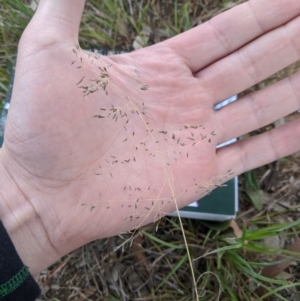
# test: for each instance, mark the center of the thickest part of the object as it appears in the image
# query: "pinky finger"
(259, 150)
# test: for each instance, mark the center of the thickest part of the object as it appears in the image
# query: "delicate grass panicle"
(157, 266)
(227, 257)
(165, 148)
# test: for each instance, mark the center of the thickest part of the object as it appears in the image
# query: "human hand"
(56, 156)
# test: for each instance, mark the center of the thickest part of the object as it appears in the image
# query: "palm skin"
(59, 157)
(58, 150)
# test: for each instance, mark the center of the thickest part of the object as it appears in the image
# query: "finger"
(259, 109)
(256, 151)
(253, 63)
(231, 30)
(60, 18)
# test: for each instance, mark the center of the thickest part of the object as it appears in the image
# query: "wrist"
(23, 224)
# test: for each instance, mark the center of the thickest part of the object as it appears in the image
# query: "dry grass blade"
(156, 267)
(274, 270)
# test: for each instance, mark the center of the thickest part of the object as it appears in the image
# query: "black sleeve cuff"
(16, 283)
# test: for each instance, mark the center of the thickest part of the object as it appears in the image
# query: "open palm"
(97, 146)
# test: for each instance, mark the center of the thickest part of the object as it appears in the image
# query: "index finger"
(59, 20)
(215, 39)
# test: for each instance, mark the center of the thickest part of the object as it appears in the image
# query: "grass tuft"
(236, 268)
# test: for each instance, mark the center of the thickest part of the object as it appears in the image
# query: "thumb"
(56, 21)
